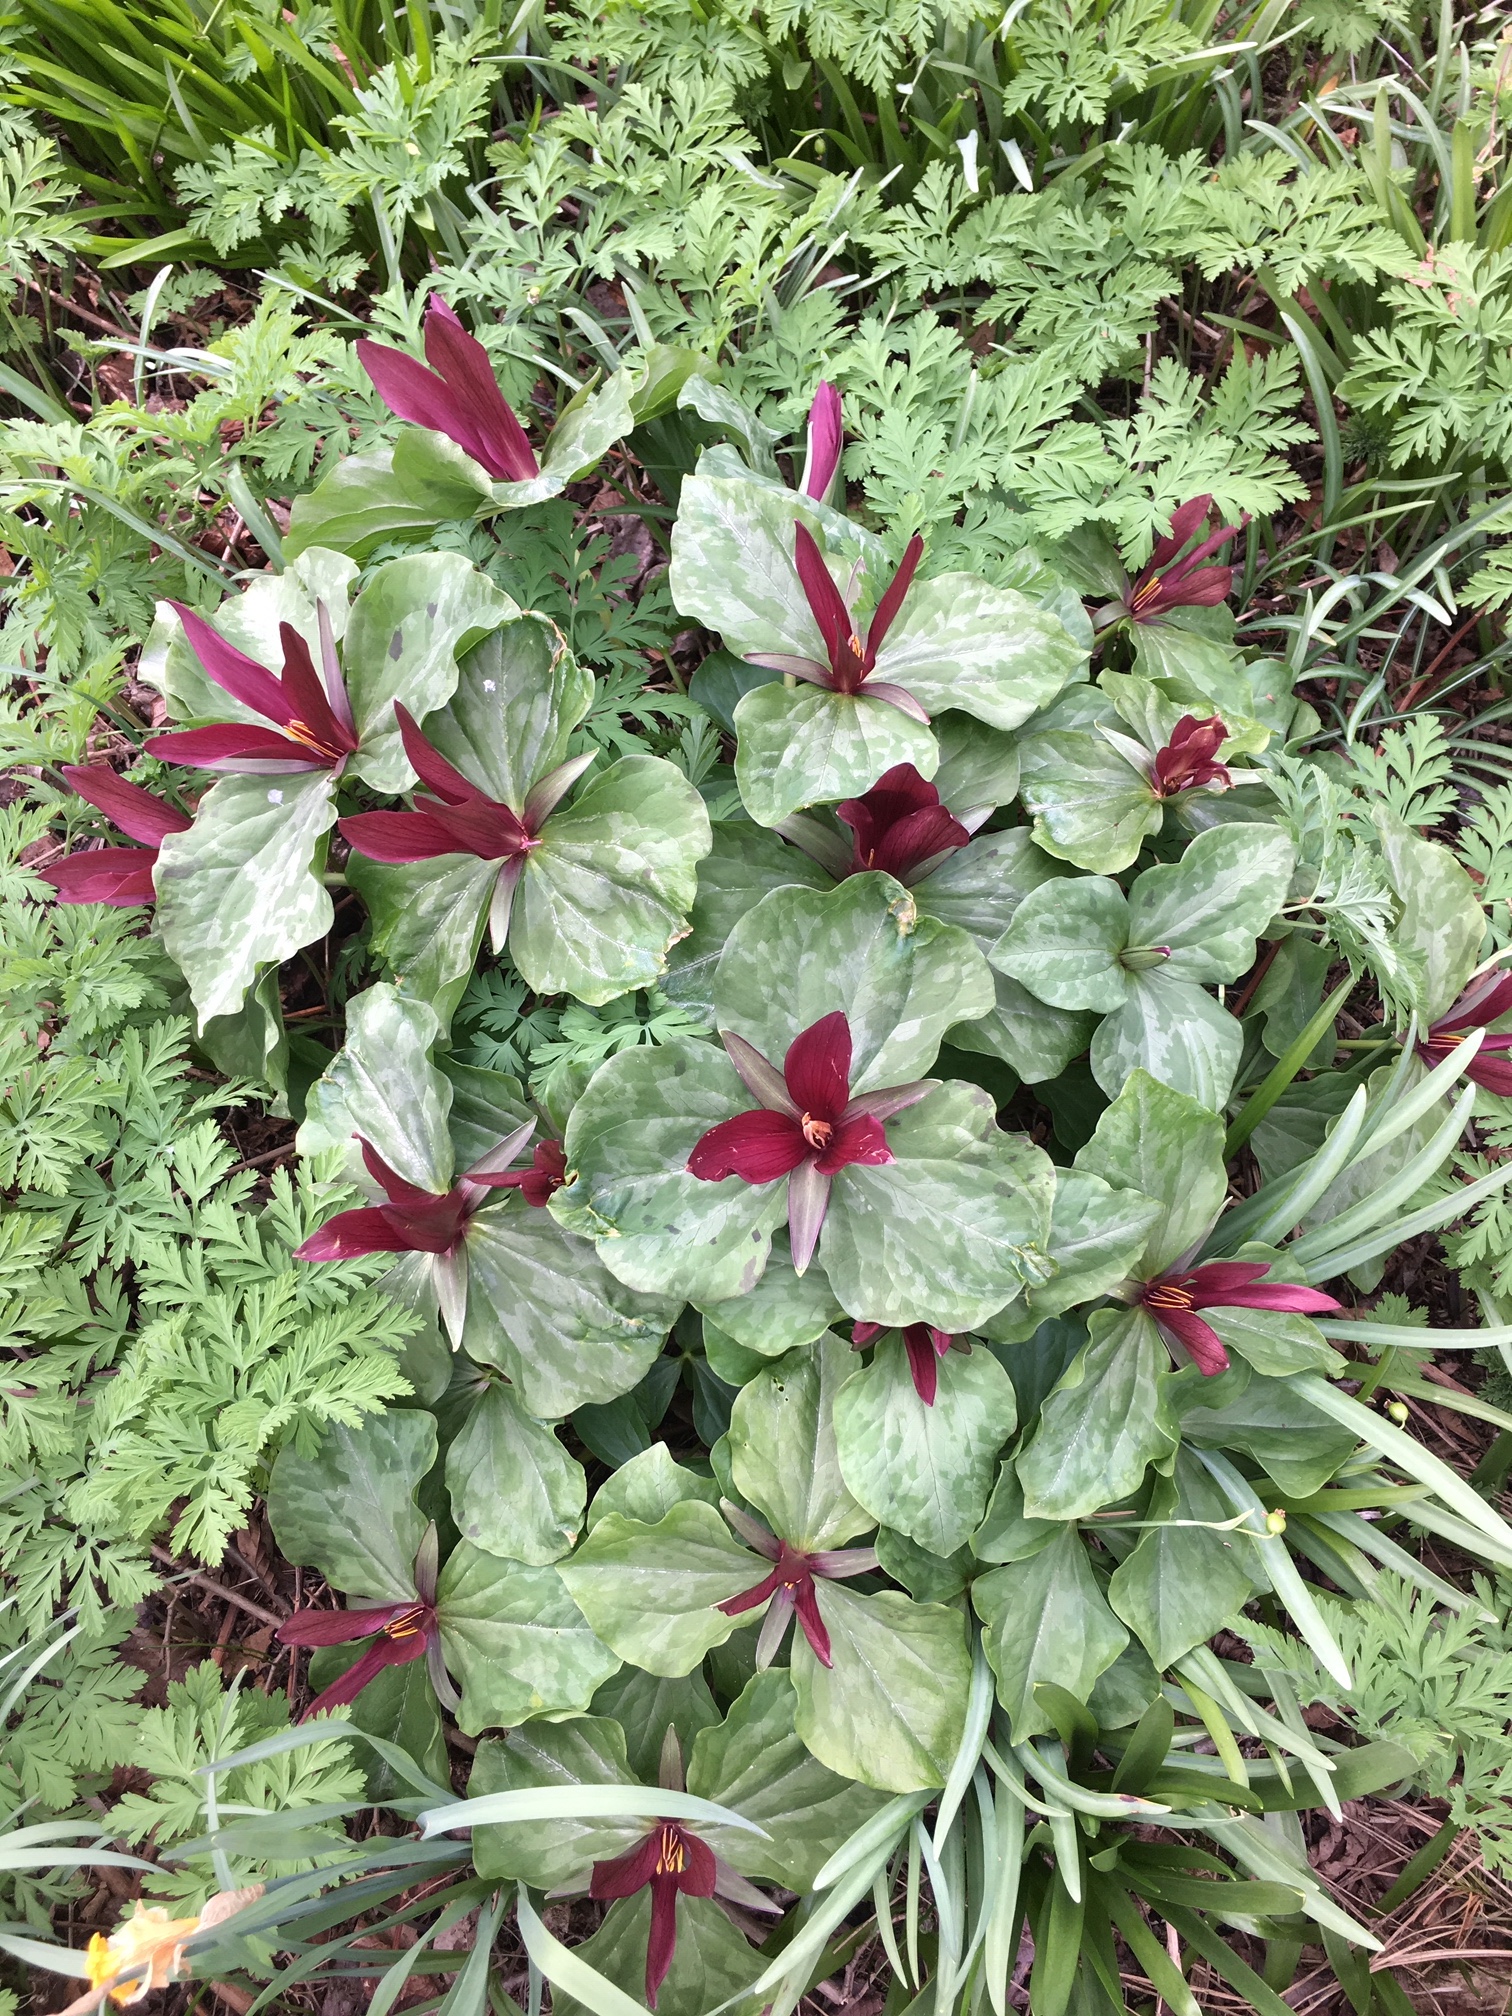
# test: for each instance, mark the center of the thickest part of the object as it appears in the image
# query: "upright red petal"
(817, 1070)
(233, 671)
(119, 876)
(429, 765)
(826, 604)
(469, 374)
(1479, 1006)
(758, 1146)
(886, 613)
(1187, 520)
(539, 1183)
(824, 442)
(304, 687)
(925, 1346)
(394, 1187)
(141, 815)
(415, 394)
(806, 1603)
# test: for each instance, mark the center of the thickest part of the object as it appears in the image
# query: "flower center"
(407, 1624)
(672, 1857)
(1167, 1295)
(816, 1132)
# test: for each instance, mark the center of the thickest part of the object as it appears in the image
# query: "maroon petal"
(1484, 1003)
(337, 1627)
(382, 1653)
(661, 1940)
(541, 1181)
(393, 1186)
(866, 1333)
(824, 442)
(623, 1875)
(1268, 1295)
(141, 815)
(1200, 1339)
(817, 1068)
(255, 750)
(925, 1346)
(1219, 1275)
(352, 1233)
(304, 687)
(398, 837)
(919, 837)
(892, 599)
(750, 1599)
(1203, 589)
(1187, 520)
(861, 1139)
(1494, 1073)
(700, 1871)
(234, 672)
(826, 603)
(483, 827)
(806, 1602)
(119, 876)
(469, 374)
(429, 765)
(413, 393)
(758, 1147)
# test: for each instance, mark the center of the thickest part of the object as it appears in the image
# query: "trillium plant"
(918, 1292)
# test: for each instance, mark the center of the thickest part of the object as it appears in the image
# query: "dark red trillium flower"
(312, 721)
(674, 1863)
(1169, 583)
(415, 1220)
(925, 1346)
(461, 819)
(1174, 1299)
(458, 396)
(1477, 1008)
(401, 1632)
(825, 439)
(851, 659)
(790, 1586)
(545, 1176)
(1187, 760)
(807, 1127)
(116, 875)
(900, 826)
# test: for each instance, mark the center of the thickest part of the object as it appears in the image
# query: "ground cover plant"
(757, 1070)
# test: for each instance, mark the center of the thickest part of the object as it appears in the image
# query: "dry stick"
(218, 1589)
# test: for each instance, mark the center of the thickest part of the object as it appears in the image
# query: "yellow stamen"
(816, 1132)
(1169, 1296)
(672, 1857)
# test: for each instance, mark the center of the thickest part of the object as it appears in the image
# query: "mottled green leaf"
(925, 1471)
(390, 493)
(661, 1230)
(550, 1854)
(783, 1456)
(1006, 1532)
(648, 1486)
(1170, 1148)
(1090, 805)
(609, 887)
(650, 1591)
(948, 1230)
(519, 696)
(349, 1510)
(427, 921)
(1211, 905)
(782, 1311)
(647, 1705)
(1108, 1419)
(514, 1489)
(890, 1711)
(1064, 944)
(756, 1763)
(544, 1309)
(744, 863)
(1097, 1233)
(961, 643)
(711, 1962)
(1045, 1619)
(1186, 1579)
(982, 884)
(384, 1086)
(1173, 1030)
(241, 888)
(900, 979)
(412, 622)
(515, 1641)
(1441, 918)
(804, 745)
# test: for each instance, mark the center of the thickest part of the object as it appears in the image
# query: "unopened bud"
(1396, 1410)
(1275, 1522)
